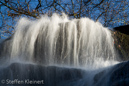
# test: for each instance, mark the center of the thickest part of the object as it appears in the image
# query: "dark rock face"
(5, 47)
(117, 75)
(121, 42)
(120, 75)
(51, 75)
(123, 29)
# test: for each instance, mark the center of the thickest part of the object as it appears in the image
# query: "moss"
(122, 44)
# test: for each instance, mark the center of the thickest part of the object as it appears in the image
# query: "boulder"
(121, 42)
(46, 75)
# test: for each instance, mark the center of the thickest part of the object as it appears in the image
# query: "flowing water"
(60, 41)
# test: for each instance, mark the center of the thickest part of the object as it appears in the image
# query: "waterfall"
(73, 52)
(58, 40)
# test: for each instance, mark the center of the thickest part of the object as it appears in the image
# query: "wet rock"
(51, 75)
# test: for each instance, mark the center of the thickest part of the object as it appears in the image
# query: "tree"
(109, 12)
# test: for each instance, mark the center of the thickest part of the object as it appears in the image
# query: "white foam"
(59, 40)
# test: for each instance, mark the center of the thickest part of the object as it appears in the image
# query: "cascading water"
(60, 41)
